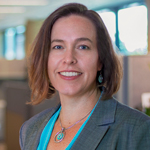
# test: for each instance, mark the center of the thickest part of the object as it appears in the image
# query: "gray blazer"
(112, 126)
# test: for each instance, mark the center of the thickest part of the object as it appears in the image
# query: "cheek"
(50, 65)
(94, 64)
(91, 66)
(53, 65)
(51, 61)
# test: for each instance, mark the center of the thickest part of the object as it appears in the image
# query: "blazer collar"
(105, 112)
(97, 126)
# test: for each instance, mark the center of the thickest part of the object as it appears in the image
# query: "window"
(109, 19)
(132, 23)
(127, 27)
(14, 41)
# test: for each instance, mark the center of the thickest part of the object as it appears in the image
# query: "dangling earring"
(100, 78)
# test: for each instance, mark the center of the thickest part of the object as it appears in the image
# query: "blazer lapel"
(97, 126)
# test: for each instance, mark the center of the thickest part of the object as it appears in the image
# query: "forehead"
(73, 24)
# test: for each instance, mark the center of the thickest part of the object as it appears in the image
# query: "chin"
(69, 92)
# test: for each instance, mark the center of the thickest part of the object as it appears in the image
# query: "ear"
(99, 67)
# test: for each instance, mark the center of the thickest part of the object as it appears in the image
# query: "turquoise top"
(46, 134)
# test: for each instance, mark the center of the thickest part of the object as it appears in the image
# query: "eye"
(83, 47)
(57, 47)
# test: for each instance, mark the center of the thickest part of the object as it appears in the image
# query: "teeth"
(69, 73)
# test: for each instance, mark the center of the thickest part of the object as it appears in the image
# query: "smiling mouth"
(70, 74)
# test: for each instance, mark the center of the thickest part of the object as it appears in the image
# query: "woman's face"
(73, 58)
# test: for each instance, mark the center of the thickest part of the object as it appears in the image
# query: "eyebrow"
(83, 39)
(77, 40)
(56, 40)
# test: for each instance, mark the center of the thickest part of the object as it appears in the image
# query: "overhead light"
(23, 2)
(7, 10)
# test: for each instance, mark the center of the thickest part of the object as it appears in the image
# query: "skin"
(73, 50)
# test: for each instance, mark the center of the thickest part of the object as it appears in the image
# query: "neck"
(75, 108)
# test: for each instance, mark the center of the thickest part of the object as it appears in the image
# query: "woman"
(73, 54)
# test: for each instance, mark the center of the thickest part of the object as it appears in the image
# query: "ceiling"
(24, 10)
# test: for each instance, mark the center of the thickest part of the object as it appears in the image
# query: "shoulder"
(124, 116)
(133, 126)
(129, 114)
(35, 124)
(132, 121)
(40, 117)
(112, 111)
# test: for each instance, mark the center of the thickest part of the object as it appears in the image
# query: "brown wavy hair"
(38, 61)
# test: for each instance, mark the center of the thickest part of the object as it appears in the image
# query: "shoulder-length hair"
(38, 61)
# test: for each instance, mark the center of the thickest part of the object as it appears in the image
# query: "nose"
(70, 58)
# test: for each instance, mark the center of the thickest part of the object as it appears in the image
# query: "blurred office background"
(128, 22)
